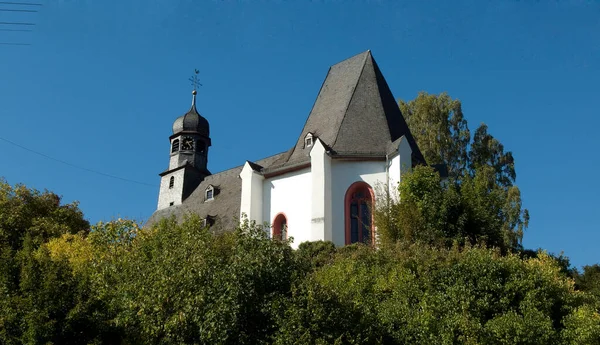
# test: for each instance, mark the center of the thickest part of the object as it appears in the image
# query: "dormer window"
(209, 193)
(175, 146)
(308, 140)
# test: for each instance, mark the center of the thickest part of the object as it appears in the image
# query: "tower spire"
(195, 84)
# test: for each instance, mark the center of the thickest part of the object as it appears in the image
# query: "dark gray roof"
(225, 206)
(192, 121)
(354, 113)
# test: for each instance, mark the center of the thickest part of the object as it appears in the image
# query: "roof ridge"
(364, 63)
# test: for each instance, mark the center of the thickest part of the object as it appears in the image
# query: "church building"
(323, 188)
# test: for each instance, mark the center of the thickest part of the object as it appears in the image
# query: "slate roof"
(192, 121)
(354, 113)
(225, 206)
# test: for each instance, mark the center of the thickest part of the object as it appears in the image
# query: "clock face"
(187, 143)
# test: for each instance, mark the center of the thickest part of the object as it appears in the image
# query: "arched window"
(171, 182)
(359, 202)
(280, 227)
(175, 146)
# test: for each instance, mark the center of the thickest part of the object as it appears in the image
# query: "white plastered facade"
(313, 198)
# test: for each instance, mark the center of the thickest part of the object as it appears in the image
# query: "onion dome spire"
(192, 121)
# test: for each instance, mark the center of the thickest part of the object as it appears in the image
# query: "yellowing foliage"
(76, 248)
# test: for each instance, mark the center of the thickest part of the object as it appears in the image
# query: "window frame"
(175, 146)
(308, 140)
(277, 232)
(368, 201)
(210, 189)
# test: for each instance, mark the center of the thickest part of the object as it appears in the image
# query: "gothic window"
(171, 182)
(359, 220)
(280, 227)
(175, 146)
(308, 140)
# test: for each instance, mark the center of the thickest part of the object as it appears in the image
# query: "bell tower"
(188, 156)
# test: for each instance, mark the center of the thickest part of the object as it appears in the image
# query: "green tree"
(589, 280)
(420, 294)
(488, 151)
(41, 299)
(180, 283)
(440, 129)
(477, 210)
(479, 201)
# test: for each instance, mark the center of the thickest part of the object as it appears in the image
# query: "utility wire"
(20, 3)
(16, 23)
(14, 44)
(17, 10)
(76, 166)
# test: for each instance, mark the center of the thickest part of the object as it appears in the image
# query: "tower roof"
(192, 121)
(355, 112)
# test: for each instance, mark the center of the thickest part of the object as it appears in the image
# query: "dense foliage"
(64, 283)
(477, 202)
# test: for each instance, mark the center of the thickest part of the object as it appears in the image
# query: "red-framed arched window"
(280, 226)
(359, 202)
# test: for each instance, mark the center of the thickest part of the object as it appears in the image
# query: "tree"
(589, 280)
(419, 294)
(477, 210)
(180, 283)
(37, 215)
(42, 300)
(479, 201)
(440, 129)
(488, 151)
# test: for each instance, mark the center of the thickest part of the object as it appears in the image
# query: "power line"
(17, 10)
(14, 44)
(16, 23)
(20, 3)
(75, 166)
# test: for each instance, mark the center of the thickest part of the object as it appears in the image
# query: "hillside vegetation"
(448, 268)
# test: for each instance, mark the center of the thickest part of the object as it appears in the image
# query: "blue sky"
(103, 81)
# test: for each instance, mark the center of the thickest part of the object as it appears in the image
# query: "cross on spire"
(195, 83)
(194, 80)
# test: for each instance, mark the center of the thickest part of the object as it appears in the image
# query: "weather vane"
(194, 80)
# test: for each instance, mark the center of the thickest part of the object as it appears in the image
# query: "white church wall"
(394, 173)
(345, 174)
(320, 214)
(168, 195)
(251, 203)
(399, 164)
(290, 194)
